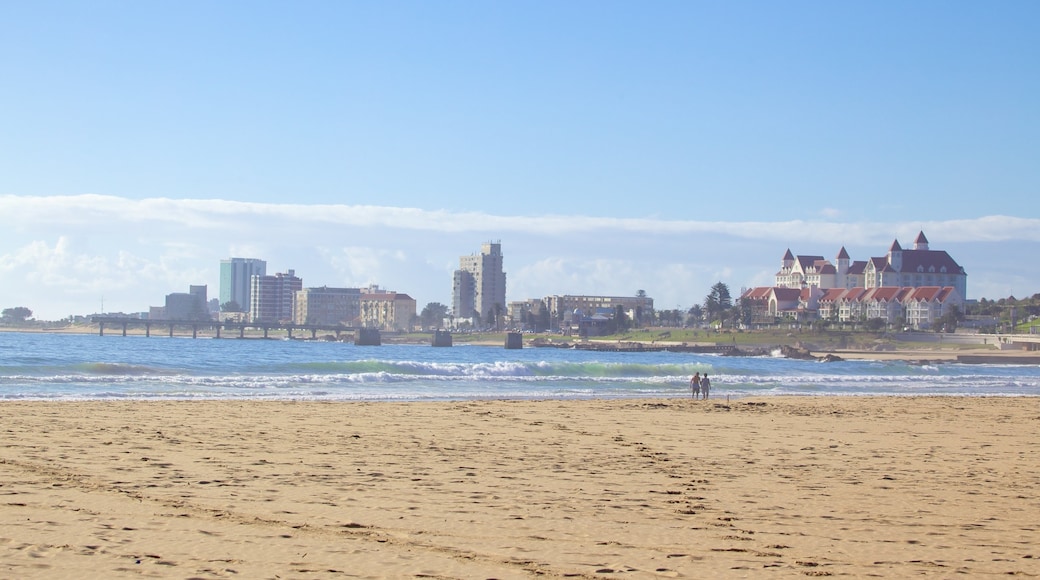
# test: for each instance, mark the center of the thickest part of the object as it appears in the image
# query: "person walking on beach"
(705, 385)
(695, 385)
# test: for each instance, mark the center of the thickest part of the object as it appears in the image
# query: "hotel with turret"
(912, 287)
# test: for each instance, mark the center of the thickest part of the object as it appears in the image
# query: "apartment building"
(388, 311)
(271, 298)
(479, 285)
(328, 306)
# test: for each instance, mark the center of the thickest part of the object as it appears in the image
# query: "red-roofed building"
(880, 287)
(919, 266)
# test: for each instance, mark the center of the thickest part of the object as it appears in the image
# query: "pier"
(216, 326)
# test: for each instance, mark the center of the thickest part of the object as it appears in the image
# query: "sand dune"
(779, 487)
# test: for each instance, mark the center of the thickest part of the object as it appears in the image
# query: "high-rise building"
(236, 275)
(271, 297)
(479, 285)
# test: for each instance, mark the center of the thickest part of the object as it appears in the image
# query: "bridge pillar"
(194, 330)
(242, 331)
(124, 329)
(171, 330)
(314, 333)
(265, 332)
(101, 329)
(289, 330)
(147, 329)
(218, 331)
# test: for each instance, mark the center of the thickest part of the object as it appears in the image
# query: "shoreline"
(923, 355)
(782, 487)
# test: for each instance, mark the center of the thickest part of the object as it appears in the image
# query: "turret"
(921, 242)
(895, 256)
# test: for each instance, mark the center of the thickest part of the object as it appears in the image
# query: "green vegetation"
(15, 315)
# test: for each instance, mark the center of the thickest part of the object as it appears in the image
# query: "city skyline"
(610, 146)
(398, 257)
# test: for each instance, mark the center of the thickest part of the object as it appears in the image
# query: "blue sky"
(609, 146)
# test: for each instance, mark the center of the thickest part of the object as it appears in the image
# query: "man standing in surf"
(695, 385)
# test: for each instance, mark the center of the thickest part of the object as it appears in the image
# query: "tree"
(948, 321)
(16, 314)
(743, 313)
(495, 315)
(620, 319)
(695, 315)
(433, 314)
(231, 306)
(717, 302)
(874, 324)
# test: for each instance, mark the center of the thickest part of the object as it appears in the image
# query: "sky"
(610, 147)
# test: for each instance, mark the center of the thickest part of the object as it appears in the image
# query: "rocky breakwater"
(796, 351)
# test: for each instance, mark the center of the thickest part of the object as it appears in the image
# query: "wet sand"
(779, 487)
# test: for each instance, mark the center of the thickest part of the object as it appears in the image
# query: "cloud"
(72, 250)
(99, 210)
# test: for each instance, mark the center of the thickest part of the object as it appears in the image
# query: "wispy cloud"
(66, 252)
(100, 210)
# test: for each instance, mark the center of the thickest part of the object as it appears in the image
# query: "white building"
(919, 266)
(479, 285)
(912, 287)
(328, 306)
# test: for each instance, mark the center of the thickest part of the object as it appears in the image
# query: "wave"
(119, 369)
(495, 368)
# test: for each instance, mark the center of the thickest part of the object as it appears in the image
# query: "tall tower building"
(272, 297)
(479, 285)
(236, 275)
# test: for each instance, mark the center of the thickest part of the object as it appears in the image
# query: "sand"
(770, 487)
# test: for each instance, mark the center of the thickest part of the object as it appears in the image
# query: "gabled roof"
(857, 267)
(832, 294)
(895, 246)
(932, 293)
(853, 294)
(884, 293)
(805, 262)
(925, 293)
(842, 254)
(788, 255)
(786, 294)
(825, 267)
(920, 239)
(758, 293)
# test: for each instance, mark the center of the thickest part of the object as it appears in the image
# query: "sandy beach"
(780, 487)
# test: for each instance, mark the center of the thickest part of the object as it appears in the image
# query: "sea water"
(39, 366)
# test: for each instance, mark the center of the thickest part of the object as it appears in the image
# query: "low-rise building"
(328, 306)
(389, 311)
(562, 309)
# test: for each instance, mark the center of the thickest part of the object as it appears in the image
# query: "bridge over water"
(216, 326)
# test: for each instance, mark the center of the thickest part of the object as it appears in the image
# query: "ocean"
(55, 367)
